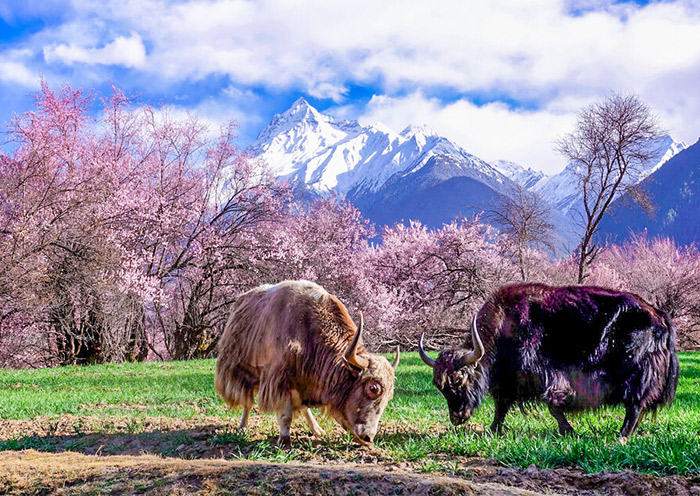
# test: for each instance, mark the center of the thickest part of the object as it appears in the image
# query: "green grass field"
(415, 428)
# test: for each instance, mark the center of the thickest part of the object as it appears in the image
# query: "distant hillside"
(675, 191)
(391, 177)
(418, 175)
(562, 190)
(435, 194)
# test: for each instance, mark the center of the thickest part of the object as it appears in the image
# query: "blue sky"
(502, 78)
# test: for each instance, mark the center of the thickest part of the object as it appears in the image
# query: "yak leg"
(247, 406)
(630, 423)
(564, 425)
(244, 418)
(502, 407)
(313, 425)
(284, 419)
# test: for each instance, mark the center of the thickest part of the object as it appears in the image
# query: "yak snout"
(461, 416)
(364, 433)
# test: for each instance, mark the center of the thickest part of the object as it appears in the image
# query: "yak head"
(369, 393)
(456, 373)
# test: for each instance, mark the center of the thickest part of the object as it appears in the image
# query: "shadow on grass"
(202, 442)
(206, 441)
(658, 452)
(217, 441)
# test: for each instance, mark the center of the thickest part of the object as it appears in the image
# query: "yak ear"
(351, 357)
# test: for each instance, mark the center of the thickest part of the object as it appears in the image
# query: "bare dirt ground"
(84, 455)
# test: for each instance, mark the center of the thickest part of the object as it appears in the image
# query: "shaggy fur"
(575, 348)
(287, 344)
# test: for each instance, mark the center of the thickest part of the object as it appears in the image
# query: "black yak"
(575, 348)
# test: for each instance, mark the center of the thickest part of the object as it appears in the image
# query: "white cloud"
(328, 90)
(240, 95)
(490, 132)
(13, 70)
(556, 55)
(535, 50)
(522, 48)
(128, 52)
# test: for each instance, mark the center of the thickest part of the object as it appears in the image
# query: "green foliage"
(415, 425)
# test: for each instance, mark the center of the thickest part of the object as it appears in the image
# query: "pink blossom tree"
(666, 275)
(423, 280)
(115, 227)
(191, 208)
(51, 185)
(323, 241)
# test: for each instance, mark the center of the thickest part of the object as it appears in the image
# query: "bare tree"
(525, 217)
(612, 143)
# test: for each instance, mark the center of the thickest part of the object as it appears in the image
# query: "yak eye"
(373, 389)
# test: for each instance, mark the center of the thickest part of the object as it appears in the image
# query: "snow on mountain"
(305, 145)
(415, 174)
(674, 191)
(330, 154)
(413, 129)
(524, 177)
(562, 190)
(667, 149)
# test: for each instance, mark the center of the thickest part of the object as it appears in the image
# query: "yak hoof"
(496, 429)
(624, 440)
(566, 431)
(284, 442)
(320, 433)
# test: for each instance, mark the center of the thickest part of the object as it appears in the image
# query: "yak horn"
(428, 361)
(473, 357)
(396, 360)
(350, 355)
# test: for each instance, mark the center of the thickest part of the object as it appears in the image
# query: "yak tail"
(669, 392)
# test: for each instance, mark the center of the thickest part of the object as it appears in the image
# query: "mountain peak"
(525, 177)
(300, 110)
(301, 101)
(412, 129)
(301, 104)
(328, 153)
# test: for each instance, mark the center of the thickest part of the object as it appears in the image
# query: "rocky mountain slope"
(417, 174)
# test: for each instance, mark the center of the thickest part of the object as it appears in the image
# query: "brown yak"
(295, 345)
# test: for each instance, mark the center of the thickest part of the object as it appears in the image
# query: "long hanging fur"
(291, 336)
(576, 348)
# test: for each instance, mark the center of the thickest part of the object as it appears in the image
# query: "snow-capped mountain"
(526, 178)
(562, 189)
(667, 148)
(380, 170)
(305, 145)
(415, 174)
(330, 154)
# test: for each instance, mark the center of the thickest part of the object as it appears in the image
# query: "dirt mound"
(567, 481)
(71, 473)
(33, 472)
(78, 455)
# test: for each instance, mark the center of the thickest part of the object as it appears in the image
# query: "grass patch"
(125, 398)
